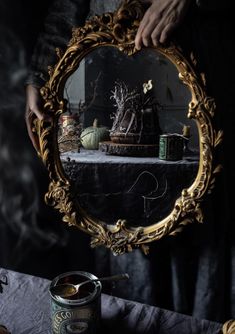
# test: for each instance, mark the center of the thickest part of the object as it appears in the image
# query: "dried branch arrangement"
(135, 120)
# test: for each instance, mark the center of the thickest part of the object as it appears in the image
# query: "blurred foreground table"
(25, 309)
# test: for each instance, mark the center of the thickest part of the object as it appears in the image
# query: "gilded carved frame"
(118, 29)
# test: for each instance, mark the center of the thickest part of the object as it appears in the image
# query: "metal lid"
(80, 301)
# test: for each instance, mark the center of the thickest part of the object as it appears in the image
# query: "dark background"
(32, 238)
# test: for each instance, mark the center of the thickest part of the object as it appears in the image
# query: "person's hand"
(3, 330)
(33, 108)
(159, 21)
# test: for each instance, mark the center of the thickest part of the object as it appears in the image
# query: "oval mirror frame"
(118, 29)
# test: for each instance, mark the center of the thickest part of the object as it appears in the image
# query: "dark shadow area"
(32, 237)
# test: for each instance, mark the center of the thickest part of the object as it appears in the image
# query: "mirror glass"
(125, 141)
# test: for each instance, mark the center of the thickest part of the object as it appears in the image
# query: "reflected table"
(25, 309)
(139, 190)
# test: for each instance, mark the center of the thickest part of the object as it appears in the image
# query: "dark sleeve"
(63, 15)
(215, 5)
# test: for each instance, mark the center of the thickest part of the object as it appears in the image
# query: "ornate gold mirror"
(130, 147)
(115, 170)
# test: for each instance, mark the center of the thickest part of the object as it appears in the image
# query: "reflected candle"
(186, 131)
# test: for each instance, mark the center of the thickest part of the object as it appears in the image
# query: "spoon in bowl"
(66, 290)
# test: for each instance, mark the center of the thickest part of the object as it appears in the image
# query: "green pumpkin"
(91, 136)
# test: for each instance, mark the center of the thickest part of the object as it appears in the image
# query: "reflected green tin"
(171, 147)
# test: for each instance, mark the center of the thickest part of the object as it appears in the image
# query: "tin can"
(69, 123)
(80, 313)
(171, 147)
(69, 133)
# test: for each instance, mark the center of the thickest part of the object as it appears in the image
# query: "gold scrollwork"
(118, 29)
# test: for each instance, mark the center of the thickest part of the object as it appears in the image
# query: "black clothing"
(63, 15)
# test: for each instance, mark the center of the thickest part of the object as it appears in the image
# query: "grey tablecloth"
(25, 309)
(140, 190)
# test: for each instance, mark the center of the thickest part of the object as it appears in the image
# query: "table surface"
(141, 191)
(25, 309)
(96, 156)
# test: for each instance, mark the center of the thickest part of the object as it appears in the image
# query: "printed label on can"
(162, 147)
(71, 321)
(75, 320)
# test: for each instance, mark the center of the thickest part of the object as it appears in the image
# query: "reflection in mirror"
(125, 141)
